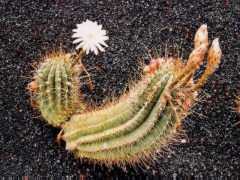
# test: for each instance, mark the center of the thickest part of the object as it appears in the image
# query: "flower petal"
(77, 40)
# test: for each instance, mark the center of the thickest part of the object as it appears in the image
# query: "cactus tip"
(201, 36)
(216, 47)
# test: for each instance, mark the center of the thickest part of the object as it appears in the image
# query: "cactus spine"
(134, 128)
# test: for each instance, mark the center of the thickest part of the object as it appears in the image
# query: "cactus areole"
(135, 127)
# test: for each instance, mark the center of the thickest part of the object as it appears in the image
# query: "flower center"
(91, 36)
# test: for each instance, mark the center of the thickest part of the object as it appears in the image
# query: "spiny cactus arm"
(57, 92)
(123, 128)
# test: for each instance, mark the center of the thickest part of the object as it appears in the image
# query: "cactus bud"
(201, 36)
(214, 57)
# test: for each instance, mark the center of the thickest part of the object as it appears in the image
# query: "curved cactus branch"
(132, 129)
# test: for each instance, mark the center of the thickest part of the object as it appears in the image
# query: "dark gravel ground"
(29, 29)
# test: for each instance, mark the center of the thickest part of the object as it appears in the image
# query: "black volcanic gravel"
(29, 29)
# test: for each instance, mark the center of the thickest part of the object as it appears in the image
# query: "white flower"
(90, 37)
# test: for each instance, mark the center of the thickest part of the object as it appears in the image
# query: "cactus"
(141, 122)
(56, 83)
(56, 88)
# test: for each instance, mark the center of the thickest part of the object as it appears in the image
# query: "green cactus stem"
(56, 92)
(147, 118)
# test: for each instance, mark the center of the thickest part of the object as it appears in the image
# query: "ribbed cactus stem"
(57, 94)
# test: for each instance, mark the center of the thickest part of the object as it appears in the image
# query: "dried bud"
(197, 57)
(214, 57)
(201, 36)
(215, 53)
